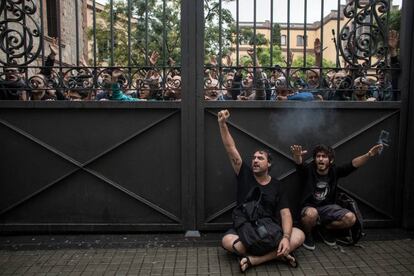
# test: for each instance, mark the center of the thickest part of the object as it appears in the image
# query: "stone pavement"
(156, 255)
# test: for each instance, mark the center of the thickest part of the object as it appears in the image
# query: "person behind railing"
(173, 88)
(247, 92)
(362, 91)
(314, 83)
(149, 90)
(393, 41)
(254, 84)
(212, 91)
(172, 91)
(387, 82)
(49, 76)
(284, 92)
(341, 84)
(317, 86)
(116, 94)
(228, 83)
(232, 80)
(13, 86)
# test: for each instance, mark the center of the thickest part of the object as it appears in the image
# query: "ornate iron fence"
(128, 44)
(363, 65)
(139, 42)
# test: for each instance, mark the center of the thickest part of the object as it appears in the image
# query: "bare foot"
(290, 260)
(245, 263)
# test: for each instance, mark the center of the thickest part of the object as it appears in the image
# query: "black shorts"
(230, 231)
(328, 213)
(234, 232)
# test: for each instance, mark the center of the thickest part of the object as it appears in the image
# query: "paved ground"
(157, 255)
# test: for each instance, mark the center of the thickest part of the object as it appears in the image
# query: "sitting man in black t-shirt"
(275, 202)
(319, 181)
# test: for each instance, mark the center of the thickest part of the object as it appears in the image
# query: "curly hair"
(325, 149)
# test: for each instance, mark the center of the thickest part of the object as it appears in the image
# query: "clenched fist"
(223, 115)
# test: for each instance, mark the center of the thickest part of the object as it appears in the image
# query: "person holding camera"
(319, 181)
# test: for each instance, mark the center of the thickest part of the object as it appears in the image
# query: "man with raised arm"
(257, 175)
(319, 181)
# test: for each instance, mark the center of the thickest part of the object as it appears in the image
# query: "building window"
(300, 40)
(52, 18)
(283, 40)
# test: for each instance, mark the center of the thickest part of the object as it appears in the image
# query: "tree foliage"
(213, 29)
(276, 34)
(394, 22)
(247, 36)
(155, 26)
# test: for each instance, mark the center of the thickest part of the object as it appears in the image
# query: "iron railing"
(364, 68)
(135, 44)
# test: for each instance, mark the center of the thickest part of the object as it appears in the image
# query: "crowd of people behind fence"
(222, 80)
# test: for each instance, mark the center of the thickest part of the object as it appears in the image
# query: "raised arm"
(228, 141)
(297, 153)
(317, 50)
(362, 159)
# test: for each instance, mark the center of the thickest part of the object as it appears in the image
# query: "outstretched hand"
(250, 52)
(317, 49)
(213, 60)
(375, 150)
(154, 58)
(393, 38)
(297, 153)
(115, 75)
(226, 61)
(54, 46)
(223, 115)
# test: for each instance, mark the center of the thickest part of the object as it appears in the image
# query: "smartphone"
(384, 138)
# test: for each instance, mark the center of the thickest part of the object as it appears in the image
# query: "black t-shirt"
(274, 198)
(321, 190)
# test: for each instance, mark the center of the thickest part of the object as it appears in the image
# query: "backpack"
(256, 228)
(352, 235)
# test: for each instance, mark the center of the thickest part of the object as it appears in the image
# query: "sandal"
(248, 262)
(291, 260)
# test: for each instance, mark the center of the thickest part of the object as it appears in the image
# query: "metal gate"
(350, 130)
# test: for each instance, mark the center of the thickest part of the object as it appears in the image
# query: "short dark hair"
(325, 149)
(268, 155)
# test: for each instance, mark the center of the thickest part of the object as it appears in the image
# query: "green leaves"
(155, 26)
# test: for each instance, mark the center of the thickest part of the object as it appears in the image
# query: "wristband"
(287, 236)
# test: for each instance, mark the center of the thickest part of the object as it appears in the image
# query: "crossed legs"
(296, 240)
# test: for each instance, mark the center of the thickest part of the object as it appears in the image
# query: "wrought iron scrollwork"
(20, 35)
(363, 38)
